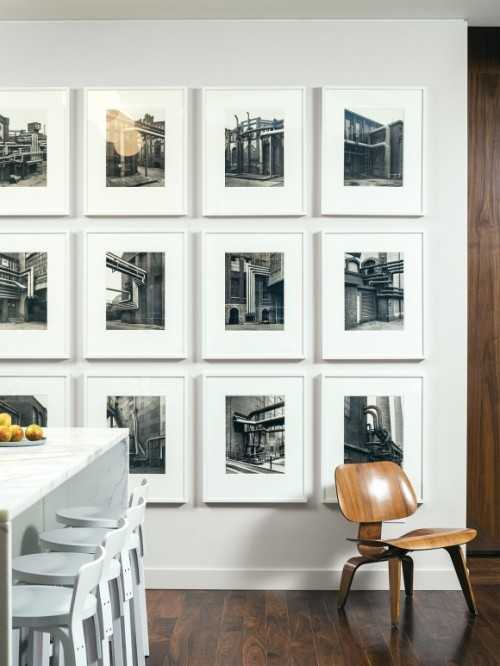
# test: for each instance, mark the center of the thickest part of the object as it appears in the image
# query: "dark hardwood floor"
(277, 628)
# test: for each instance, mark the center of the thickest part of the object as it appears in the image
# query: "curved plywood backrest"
(374, 492)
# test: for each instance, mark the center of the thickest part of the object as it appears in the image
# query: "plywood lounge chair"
(370, 493)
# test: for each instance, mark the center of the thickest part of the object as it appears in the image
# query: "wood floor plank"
(303, 649)
(183, 636)
(278, 629)
(233, 612)
(229, 649)
(326, 641)
(254, 647)
(370, 630)
(396, 639)
(350, 641)
(204, 648)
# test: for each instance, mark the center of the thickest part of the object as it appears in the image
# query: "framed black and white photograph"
(380, 419)
(34, 295)
(136, 151)
(252, 287)
(42, 400)
(154, 409)
(253, 151)
(34, 151)
(253, 428)
(372, 154)
(372, 295)
(135, 295)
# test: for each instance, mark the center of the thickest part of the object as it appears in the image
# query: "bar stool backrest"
(114, 543)
(139, 492)
(86, 582)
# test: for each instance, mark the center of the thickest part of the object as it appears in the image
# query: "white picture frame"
(136, 151)
(45, 396)
(372, 304)
(343, 399)
(154, 326)
(255, 311)
(157, 405)
(372, 138)
(272, 180)
(38, 151)
(34, 321)
(277, 475)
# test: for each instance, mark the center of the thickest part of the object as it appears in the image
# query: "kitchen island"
(75, 466)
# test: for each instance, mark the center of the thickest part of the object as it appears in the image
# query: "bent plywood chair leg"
(350, 568)
(395, 587)
(457, 557)
(407, 563)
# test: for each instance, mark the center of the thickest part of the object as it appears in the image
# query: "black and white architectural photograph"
(373, 429)
(135, 290)
(254, 147)
(23, 291)
(374, 291)
(255, 284)
(25, 410)
(23, 147)
(144, 416)
(373, 147)
(255, 434)
(135, 148)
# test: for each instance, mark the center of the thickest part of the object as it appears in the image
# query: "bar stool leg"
(38, 648)
(141, 593)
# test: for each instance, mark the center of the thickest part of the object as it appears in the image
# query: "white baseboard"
(289, 579)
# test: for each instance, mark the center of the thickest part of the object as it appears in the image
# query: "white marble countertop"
(27, 474)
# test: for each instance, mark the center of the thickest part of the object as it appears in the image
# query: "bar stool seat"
(73, 540)
(100, 516)
(78, 539)
(56, 568)
(90, 516)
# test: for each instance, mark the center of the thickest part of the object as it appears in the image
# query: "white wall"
(292, 546)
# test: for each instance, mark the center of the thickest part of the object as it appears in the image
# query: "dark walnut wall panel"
(483, 457)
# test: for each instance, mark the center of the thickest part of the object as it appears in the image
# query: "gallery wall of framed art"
(257, 263)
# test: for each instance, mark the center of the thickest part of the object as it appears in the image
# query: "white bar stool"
(85, 540)
(61, 568)
(107, 517)
(62, 612)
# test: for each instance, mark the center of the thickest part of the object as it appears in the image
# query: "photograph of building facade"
(373, 147)
(373, 429)
(23, 148)
(135, 290)
(23, 290)
(255, 287)
(254, 149)
(374, 291)
(144, 416)
(135, 148)
(25, 409)
(255, 434)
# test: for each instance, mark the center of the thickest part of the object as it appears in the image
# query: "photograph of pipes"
(154, 409)
(34, 151)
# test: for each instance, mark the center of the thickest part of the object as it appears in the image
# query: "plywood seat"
(425, 539)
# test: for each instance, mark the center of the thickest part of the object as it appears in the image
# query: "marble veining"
(27, 474)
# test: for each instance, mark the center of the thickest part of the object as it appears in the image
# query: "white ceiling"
(477, 12)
